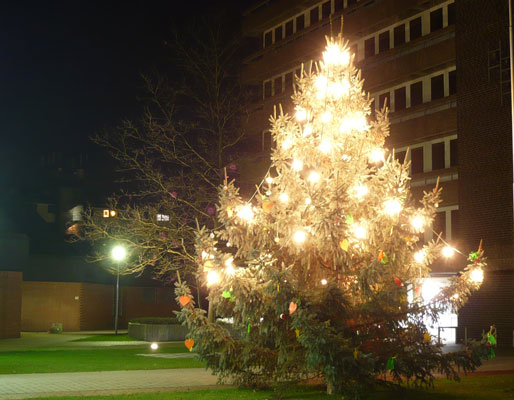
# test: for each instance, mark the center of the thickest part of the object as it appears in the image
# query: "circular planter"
(157, 332)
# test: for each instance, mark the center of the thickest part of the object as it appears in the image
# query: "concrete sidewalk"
(106, 382)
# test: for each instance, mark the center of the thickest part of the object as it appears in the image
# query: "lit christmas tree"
(318, 274)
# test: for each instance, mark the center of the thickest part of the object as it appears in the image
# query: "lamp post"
(118, 254)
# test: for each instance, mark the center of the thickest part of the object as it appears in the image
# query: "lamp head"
(118, 253)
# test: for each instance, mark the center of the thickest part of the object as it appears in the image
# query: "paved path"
(24, 386)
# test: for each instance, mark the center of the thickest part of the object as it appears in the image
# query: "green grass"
(92, 359)
(106, 338)
(471, 388)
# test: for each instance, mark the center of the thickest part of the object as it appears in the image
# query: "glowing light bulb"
(154, 346)
(477, 275)
(287, 144)
(297, 165)
(335, 55)
(314, 177)
(323, 282)
(420, 255)
(212, 278)
(284, 197)
(308, 201)
(359, 231)
(246, 213)
(299, 237)
(326, 117)
(269, 180)
(307, 130)
(325, 146)
(339, 89)
(204, 254)
(301, 114)
(392, 207)
(448, 251)
(321, 85)
(376, 156)
(417, 222)
(229, 262)
(361, 191)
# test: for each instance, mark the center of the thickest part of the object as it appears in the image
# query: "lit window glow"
(163, 217)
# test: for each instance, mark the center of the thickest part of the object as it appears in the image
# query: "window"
(400, 156)
(351, 2)
(289, 28)
(267, 89)
(384, 100)
(400, 99)
(451, 14)
(437, 86)
(452, 78)
(288, 84)
(436, 20)
(278, 85)
(454, 155)
(416, 158)
(455, 224)
(439, 224)
(383, 42)
(369, 47)
(416, 94)
(399, 35)
(278, 33)
(163, 217)
(415, 28)
(438, 156)
(325, 10)
(338, 5)
(268, 39)
(314, 15)
(300, 22)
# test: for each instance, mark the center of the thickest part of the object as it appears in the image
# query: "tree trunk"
(330, 388)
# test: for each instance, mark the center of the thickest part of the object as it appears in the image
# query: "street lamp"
(118, 254)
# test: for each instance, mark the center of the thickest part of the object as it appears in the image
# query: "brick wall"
(96, 307)
(10, 304)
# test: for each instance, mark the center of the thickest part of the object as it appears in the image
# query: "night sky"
(70, 69)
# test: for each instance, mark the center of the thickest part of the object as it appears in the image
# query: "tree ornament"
(344, 244)
(382, 257)
(349, 219)
(184, 300)
(189, 344)
(267, 206)
(355, 353)
(227, 295)
(390, 363)
(297, 332)
(427, 338)
(174, 194)
(208, 265)
(292, 307)
(398, 282)
(283, 316)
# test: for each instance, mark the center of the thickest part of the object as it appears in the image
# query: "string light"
(477, 275)
(335, 55)
(326, 117)
(314, 177)
(376, 155)
(308, 201)
(287, 144)
(360, 191)
(359, 232)
(323, 282)
(420, 255)
(301, 114)
(212, 278)
(269, 180)
(325, 146)
(246, 213)
(229, 266)
(417, 222)
(284, 197)
(392, 207)
(448, 251)
(307, 130)
(299, 237)
(297, 165)
(339, 89)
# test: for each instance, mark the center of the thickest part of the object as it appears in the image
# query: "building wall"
(147, 302)
(10, 304)
(44, 303)
(96, 307)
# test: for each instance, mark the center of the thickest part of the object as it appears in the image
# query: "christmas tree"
(316, 276)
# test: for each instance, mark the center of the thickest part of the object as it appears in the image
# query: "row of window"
(410, 94)
(408, 30)
(430, 156)
(303, 20)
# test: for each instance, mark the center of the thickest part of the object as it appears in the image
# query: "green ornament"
(390, 364)
(248, 328)
(492, 354)
(491, 339)
(384, 259)
(349, 219)
(226, 294)
(473, 256)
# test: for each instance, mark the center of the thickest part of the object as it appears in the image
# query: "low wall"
(157, 333)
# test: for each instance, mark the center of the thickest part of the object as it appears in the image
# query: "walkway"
(24, 386)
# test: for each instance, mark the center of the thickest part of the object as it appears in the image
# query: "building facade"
(444, 84)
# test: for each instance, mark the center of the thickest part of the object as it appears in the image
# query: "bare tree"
(172, 160)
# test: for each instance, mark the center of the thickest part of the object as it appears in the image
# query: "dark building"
(442, 68)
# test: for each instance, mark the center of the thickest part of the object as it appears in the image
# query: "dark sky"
(69, 69)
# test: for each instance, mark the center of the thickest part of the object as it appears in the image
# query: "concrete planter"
(157, 333)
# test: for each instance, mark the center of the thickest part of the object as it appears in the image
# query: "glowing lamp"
(246, 213)
(323, 282)
(392, 207)
(212, 278)
(297, 165)
(118, 253)
(299, 237)
(154, 346)
(477, 275)
(448, 251)
(420, 255)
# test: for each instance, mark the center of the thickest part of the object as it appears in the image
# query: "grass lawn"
(92, 359)
(471, 388)
(106, 338)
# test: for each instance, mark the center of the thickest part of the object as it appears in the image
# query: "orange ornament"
(292, 307)
(267, 205)
(189, 343)
(184, 300)
(380, 256)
